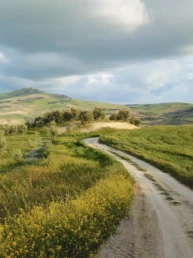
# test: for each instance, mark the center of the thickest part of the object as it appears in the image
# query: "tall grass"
(72, 229)
(167, 147)
(13, 143)
(65, 205)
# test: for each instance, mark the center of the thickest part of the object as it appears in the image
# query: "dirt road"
(161, 217)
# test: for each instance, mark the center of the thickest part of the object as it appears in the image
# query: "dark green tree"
(98, 113)
(75, 113)
(86, 116)
(113, 116)
(124, 115)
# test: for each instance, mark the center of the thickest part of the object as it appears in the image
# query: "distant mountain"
(164, 113)
(21, 105)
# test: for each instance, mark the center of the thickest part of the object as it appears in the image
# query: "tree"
(67, 116)
(86, 116)
(98, 113)
(114, 116)
(58, 116)
(13, 129)
(132, 120)
(123, 115)
(22, 128)
(135, 121)
(75, 113)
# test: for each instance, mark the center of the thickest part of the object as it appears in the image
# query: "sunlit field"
(64, 203)
(170, 148)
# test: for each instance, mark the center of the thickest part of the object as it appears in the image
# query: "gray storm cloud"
(42, 41)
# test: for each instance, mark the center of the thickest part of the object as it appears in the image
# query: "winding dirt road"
(161, 217)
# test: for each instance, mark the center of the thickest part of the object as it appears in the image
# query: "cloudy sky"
(123, 51)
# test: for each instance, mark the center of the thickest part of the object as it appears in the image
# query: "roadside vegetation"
(169, 148)
(66, 203)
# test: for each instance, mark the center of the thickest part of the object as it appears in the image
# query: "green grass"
(14, 142)
(162, 108)
(66, 204)
(170, 148)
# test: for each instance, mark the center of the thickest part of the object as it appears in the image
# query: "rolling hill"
(164, 113)
(21, 105)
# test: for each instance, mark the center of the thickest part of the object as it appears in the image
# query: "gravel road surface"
(161, 217)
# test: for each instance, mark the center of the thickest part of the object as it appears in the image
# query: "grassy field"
(164, 113)
(161, 108)
(63, 205)
(169, 148)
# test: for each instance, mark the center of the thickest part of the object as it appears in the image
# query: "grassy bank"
(64, 205)
(169, 148)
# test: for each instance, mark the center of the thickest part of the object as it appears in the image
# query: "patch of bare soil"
(117, 125)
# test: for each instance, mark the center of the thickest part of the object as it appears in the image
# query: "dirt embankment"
(117, 125)
(98, 125)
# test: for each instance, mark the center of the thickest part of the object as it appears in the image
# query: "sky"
(119, 51)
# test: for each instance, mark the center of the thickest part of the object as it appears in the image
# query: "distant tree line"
(73, 114)
(60, 116)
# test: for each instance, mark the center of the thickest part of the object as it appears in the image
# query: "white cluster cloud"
(3, 58)
(99, 79)
(160, 73)
(128, 15)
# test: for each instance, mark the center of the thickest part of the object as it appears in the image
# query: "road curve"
(161, 217)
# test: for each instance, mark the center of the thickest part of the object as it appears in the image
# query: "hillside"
(20, 105)
(164, 113)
